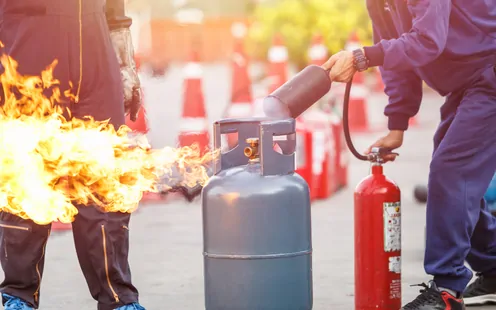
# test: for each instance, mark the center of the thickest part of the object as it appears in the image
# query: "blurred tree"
(298, 20)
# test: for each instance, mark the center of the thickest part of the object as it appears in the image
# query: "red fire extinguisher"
(377, 231)
(377, 240)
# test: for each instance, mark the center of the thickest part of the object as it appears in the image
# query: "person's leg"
(461, 170)
(102, 246)
(22, 255)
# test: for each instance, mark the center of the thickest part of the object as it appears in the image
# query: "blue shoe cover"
(14, 303)
(133, 306)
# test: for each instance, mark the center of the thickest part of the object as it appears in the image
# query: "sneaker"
(14, 303)
(431, 298)
(133, 306)
(481, 291)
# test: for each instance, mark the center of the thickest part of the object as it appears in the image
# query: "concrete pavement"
(166, 239)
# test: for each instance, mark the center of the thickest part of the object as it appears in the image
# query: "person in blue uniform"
(451, 45)
(92, 43)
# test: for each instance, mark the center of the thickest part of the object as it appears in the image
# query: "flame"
(50, 163)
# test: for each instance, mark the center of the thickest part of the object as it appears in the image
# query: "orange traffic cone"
(139, 127)
(379, 85)
(318, 53)
(278, 63)
(358, 116)
(58, 226)
(241, 105)
(194, 127)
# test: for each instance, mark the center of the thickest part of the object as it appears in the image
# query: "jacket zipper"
(37, 292)
(116, 297)
(15, 227)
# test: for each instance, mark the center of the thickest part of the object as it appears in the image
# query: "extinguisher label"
(392, 226)
(395, 264)
(395, 289)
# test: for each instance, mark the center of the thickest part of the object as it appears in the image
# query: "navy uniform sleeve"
(404, 90)
(423, 44)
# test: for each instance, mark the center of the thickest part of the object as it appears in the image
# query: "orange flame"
(50, 163)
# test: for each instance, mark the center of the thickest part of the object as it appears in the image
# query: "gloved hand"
(123, 46)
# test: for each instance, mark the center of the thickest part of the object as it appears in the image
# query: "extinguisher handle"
(378, 153)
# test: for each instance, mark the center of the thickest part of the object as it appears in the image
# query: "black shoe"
(431, 298)
(481, 291)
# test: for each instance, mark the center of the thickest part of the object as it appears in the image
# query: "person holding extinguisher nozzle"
(451, 45)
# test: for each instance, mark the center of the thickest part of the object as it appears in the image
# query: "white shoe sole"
(480, 300)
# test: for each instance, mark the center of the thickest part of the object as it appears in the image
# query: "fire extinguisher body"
(377, 243)
(257, 225)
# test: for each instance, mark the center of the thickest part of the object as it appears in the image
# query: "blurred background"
(166, 31)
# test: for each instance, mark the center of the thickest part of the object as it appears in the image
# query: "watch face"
(360, 60)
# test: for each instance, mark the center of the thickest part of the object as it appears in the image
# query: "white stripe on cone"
(193, 70)
(318, 52)
(359, 91)
(278, 54)
(193, 124)
(139, 139)
(353, 46)
(240, 110)
(239, 60)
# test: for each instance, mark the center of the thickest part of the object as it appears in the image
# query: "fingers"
(378, 143)
(389, 157)
(330, 62)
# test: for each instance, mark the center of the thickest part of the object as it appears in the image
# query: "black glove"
(123, 46)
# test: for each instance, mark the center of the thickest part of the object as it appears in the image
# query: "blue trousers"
(459, 226)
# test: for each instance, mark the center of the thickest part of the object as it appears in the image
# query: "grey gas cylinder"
(257, 222)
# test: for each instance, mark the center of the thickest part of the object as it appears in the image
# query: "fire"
(50, 163)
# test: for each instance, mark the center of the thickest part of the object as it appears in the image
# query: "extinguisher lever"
(377, 154)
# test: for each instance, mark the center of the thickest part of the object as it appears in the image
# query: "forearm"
(404, 90)
(116, 14)
(405, 96)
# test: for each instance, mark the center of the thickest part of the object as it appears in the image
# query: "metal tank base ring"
(267, 256)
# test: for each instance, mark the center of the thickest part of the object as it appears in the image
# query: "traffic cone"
(358, 116)
(193, 127)
(58, 226)
(241, 105)
(278, 63)
(318, 53)
(139, 127)
(379, 85)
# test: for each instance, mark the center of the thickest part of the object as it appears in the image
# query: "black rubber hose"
(346, 125)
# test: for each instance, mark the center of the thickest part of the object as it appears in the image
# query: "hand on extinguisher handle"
(380, 154)
(381, 151)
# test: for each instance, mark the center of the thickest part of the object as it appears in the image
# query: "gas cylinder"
(257, 222)
(377, 239)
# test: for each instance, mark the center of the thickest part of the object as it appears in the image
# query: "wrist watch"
(360, 61)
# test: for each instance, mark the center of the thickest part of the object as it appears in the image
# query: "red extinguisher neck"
(377, 169)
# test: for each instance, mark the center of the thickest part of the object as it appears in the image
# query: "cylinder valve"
(251, 151)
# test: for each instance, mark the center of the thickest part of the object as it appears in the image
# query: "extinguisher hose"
(346, 125)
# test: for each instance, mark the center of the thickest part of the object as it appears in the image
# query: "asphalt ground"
(166, 238)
